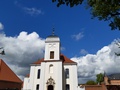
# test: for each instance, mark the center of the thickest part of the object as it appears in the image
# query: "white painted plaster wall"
(26, 84)
(54, 48)
(56, 75)
(72, 80)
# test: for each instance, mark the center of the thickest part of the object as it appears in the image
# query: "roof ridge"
(64, 59)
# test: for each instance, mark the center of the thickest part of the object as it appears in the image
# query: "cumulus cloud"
(92, 64)
(25, 49)
(22, 50)
(78, 36)
(1, 26)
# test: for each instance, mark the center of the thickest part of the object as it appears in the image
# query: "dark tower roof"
(53, 34)
(52, 37)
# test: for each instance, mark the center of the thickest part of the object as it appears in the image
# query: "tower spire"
(53, 32)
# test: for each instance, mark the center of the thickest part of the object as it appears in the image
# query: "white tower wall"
(56, 74)
(52, 46)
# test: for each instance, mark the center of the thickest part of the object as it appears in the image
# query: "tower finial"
(53, 32)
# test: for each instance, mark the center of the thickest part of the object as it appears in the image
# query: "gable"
(6, 74)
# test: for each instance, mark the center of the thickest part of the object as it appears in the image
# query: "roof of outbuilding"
(6, 74)
(115, 76)
(64, 59)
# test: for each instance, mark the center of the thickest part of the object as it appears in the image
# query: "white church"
(54, 72)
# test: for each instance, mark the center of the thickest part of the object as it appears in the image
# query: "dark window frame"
(37, 87)
(67, 87)
(67, 73)
(51, 54)
(38, 74)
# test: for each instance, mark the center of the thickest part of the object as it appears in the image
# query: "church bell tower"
(52, 47)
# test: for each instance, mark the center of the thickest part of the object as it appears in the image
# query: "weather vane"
(53, 32)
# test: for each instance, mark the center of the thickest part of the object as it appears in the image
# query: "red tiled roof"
(62, 57)
(6, 74)
(28, 75)
(39, 61)
(66, 60)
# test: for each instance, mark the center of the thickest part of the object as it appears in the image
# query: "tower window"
(38, 74)
(67, 73)
(37, 87)
(51, 54)
(67, 87)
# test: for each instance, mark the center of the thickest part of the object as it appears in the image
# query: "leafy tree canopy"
(90, 82)
(100, 78)
(107, 10)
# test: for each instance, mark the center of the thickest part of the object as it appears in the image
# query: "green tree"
(107, 10)
(100, 78)
(90, 82)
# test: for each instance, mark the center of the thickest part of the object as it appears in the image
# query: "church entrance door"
(50, 87)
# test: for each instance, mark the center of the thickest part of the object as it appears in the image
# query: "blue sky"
(66, 21)
(80, 35)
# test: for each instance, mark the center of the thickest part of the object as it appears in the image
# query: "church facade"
(54, 72)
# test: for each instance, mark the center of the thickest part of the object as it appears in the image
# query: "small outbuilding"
(8, 79)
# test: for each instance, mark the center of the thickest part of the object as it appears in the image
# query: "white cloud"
(78, 36)
(92, 64)
(33, 11)
(62, 48)
(83, 52)
(1, 26)
(21, 51)
(25, 49)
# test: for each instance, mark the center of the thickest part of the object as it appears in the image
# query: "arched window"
(51, 68)
(67, 73)
(38, 74)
